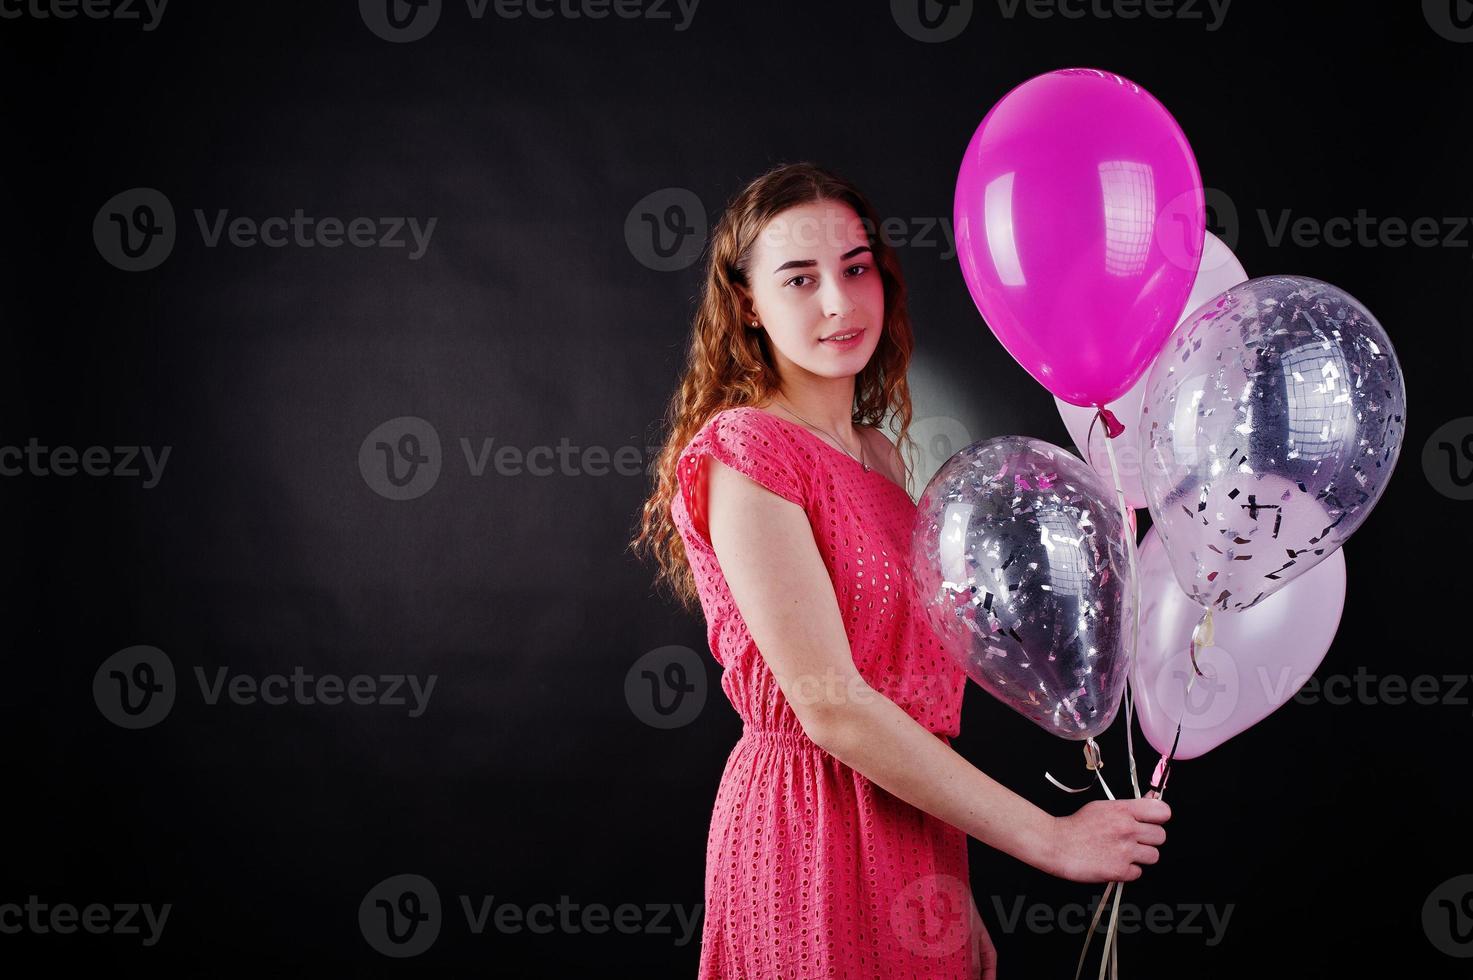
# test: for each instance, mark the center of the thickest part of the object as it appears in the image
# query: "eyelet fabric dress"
(812, 870)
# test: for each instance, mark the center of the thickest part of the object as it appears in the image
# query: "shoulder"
(745, 424)
(754, 444)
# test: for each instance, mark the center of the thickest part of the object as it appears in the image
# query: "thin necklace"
(840, 443)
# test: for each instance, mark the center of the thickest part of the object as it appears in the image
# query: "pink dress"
(811, 869)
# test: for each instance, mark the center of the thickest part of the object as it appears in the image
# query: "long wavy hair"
(729, 366)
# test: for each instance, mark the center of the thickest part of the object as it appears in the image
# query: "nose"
(836, 301)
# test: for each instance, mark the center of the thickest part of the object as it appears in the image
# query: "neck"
(825, 402)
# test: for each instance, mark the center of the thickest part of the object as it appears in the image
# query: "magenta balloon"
(1079, 220)
(1259, 658)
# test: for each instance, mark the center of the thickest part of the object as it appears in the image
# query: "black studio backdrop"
(267, 694)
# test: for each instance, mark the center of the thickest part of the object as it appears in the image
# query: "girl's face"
(812, 276)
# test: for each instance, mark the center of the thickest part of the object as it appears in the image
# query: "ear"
(749, 312)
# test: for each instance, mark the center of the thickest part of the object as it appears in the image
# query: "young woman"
(837, 845)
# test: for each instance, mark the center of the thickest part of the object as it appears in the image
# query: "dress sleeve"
(749, 441)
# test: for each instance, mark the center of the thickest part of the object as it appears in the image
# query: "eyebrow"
(809, 263)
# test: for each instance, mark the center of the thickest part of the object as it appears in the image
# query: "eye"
(862, 268)
(795, 279)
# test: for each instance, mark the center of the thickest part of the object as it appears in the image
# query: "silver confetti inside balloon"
(1272, 420)
(1018, 556)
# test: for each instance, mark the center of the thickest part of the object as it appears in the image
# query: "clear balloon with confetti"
(1272, 421)
(1019, 558)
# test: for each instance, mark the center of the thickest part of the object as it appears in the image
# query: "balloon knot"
(1113, 426)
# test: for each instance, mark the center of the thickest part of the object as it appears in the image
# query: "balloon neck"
(1113, 426)
(1202, 635)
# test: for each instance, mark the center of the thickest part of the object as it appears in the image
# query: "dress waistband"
(797, 740)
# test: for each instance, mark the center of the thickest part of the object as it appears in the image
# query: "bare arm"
(772, 565)
(777, 578)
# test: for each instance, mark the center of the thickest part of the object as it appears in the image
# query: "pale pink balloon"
(1220, 270)
(1260, 657)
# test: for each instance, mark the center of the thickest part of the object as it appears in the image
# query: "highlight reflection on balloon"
(1018, 556)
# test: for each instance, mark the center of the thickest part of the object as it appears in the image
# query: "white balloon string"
(1089, 933)
(1110, 958)
(1202, 636)
(1135, 586)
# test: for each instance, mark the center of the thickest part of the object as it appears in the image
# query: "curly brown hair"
(728, 366)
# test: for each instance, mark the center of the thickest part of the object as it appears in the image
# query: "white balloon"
(1219, 271)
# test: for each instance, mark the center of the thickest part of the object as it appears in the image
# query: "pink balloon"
(1079, 219)
(1260, 657)
(1219, 271)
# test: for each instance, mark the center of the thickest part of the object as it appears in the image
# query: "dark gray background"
(531, 319)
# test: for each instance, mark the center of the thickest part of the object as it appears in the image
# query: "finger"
(1150, 811)
(1149, 833)
(1142, 854)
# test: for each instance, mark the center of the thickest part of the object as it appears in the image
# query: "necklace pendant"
(866, 466)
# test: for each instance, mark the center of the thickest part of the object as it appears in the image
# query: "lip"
(852, 342)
